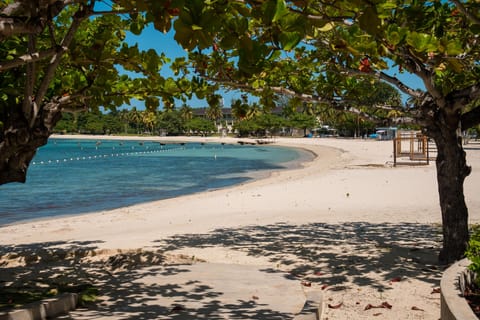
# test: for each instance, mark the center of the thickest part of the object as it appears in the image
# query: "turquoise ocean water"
(78, 176)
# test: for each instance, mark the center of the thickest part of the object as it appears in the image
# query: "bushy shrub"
(473, 253)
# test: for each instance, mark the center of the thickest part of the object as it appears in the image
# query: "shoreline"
(347, 221)
(318, 164)
(307, 155)
(340, 165)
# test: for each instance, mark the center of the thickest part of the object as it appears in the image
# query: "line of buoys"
(112, 155)
(102, 156)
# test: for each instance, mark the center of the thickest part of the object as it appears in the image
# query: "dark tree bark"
(452, 170)
(26, 127)
(19, 141)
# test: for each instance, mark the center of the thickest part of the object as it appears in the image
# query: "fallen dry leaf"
(377, 314)
(385, 305)
(324, 286)
(436, 290)
(335, 306)
(396, 279)
(417, 308)
(306, 283)
(254, 297)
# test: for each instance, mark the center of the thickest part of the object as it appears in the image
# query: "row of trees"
(66, 54)
(248, 119)
(175, 122)
(135, 122)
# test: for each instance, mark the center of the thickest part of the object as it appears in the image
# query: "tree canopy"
(58, 54)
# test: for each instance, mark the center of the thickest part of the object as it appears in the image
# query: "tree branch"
(30, 79)
(341, 105)
(467, 94)
(114, 12)
(28, 58)
(81, 15)
(29, 17)
(460, 98)
(414, 65)
(470, 118)
(390, 79)
(9, 27)
(463, 10)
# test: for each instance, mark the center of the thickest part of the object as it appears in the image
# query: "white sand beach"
(348, 222)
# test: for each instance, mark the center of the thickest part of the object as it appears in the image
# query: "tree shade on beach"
(54, 56)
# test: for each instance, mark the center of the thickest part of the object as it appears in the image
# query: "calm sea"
(77, 176)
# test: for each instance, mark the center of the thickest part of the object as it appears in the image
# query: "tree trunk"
(452, 170)
(19, 141)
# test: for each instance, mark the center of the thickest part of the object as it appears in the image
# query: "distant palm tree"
(308, 108)
(214, 110)
(124, 116)
(254, 111)
(186, 112)
(290, 106)
(149, 119)
(135, 117)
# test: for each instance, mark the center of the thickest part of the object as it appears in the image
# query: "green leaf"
(163, 24)
(370, 22)
(327, 27)
(422, 42)
(388, 6)
(455, 65)
(268, 10)
(229, 41)
(280, 10)
(136, 28)
(454, 48)
(170, 86)
(289, 40)
(183, 34)
(152, 103)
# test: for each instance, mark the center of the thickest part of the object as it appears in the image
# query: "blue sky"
(153, 39)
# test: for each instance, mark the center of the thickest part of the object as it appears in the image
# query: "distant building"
(386, 133)
(225, 125)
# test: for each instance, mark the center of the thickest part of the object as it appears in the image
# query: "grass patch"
(11, 298)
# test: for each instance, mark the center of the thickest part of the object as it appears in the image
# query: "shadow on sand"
(331, 254)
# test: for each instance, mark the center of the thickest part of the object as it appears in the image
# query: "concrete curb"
(453, 305)
(45, 309)
(313, 308)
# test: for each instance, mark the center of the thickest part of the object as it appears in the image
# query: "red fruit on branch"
(365, 65)
(173, 11)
